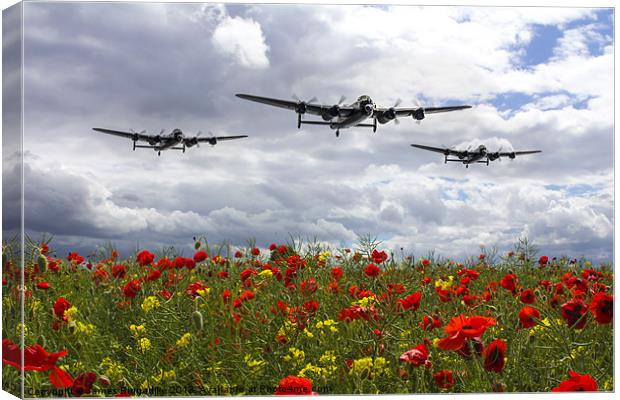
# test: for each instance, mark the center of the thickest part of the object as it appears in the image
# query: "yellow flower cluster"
(163, 376)
(71, 312)
(252, 363)
(137, 330)
(204, 292)
(113, 370)
(365, 302)
(314, 371)
(329, 357)
(144, 345)
(297, 356)
(265, 274)
(35, 306)
(370, 368)
(84, 329)
(327, 324)
(287, 329)
(150, 303)
(445, 285)
(324, 255)
(184, 340)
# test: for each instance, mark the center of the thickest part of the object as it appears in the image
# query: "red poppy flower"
(528, 296)
(194, 287)
(574, 313)
(247, 273)
(429, 323)
(372, 270)
(411, 302)
(273, 246)
(119, 271)
(43, 285)
(83, 383)
(528, 316)
(602, 306)
(166, 294)
(461, 328)
(476, 344)
(576, 383)
(36, 359)
(379, 256)
(444, 295)
(153, 275)
(223, 274)
(543, 260)
(426, 263)
(60, 306)
(309, 286)
(444, 379)
(200, 256)
(226, 295)
(494, 356)
(337, 273)
(417, 356)
(293, 385)
(132, 288)
(145, 258)
(509, 282)
(255, 251)
(247, 295)
(282, 249)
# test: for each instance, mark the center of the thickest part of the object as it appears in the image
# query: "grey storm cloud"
(154, 66)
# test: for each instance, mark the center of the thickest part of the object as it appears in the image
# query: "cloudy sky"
(538, 78)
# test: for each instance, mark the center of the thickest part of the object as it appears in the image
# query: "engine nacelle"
(418, 114)
(155, 140)
(330, 113)
(386, 116)
(512, 155)
(190, 142)
(178, 136)
(493, 156)
(301, 108)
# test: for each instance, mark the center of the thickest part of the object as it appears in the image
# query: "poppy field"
(304, 319)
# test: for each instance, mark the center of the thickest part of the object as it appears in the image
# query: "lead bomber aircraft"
(176, 140)
(340, 116)
(472, 156)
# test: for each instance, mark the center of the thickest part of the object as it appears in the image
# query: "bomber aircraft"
(175, 140)
(339, 116)
(472, 156)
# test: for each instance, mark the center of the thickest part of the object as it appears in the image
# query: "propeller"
(392, 109)
(212, 139)
(301, 105)
(342, 99)
(418, 114)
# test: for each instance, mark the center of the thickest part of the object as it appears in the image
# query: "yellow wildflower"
(144, 344)
(266, 273)
(85, 329)
(184, 340)
(297, 356)
(252, 363)
(328, 357)
(365, 302)
(369, 367)
(150, 303)
(324, 255)
(308, 333)
(71, 312)
(137, 330)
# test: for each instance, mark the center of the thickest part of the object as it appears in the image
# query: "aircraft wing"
(310, 108)
(441, 150)
(128, 135)
(219, 138)
(519, 153)
(407, 111)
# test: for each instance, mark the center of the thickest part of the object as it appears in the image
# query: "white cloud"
(243, 40)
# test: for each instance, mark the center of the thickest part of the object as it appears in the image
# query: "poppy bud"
(198, 320)
(104, 380)
(197, 244)
(42, 261)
